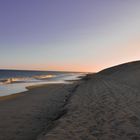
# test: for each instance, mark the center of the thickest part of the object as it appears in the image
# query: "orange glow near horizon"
(122, 52)
(73, 68)
(69, 68)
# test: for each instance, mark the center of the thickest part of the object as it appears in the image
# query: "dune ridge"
(105, 106)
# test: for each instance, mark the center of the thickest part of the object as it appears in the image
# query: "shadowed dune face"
(105, 106)
(129, 67)
(128, 73)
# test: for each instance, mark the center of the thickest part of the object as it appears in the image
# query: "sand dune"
(106, 106)
(128, 73)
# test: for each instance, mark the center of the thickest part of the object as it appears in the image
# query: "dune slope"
(105, 106)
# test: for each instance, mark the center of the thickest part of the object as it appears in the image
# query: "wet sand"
(24, 116)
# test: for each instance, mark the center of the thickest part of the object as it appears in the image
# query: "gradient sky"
(72, 35)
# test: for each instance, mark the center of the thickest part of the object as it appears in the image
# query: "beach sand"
(105, 106)
(101, 106)
(24, 116)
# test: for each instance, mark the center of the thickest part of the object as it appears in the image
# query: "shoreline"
(12, 96)
(31, 87)
(19, 87)
(34, 111)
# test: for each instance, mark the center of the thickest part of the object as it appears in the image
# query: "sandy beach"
(24, 116)
(101, 106)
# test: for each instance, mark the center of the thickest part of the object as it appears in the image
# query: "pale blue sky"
(77, 35)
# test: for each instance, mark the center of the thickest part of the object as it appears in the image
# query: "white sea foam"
(25, 79)
(18, 84)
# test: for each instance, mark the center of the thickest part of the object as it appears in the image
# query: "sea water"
(16, 81)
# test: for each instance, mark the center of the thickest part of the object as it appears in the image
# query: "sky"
(68, 35)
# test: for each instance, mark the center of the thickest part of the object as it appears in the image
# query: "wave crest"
(25, 79)
(41, 77)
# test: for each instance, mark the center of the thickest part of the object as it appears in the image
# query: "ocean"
(15, 81)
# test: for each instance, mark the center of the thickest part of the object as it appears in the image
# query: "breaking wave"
(26, 79)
